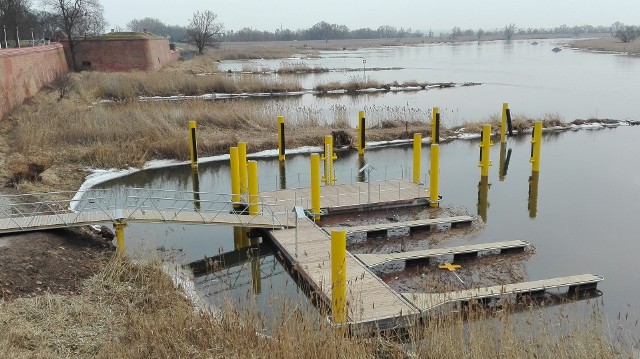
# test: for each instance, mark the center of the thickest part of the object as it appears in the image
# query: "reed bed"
(128, 134)
(130, 86)
(133, 310)
(299, 67)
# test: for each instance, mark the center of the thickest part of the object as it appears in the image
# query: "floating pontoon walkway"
(420, 224)
(351, 197)
(372, 260)
(371, 301)
(430, 301)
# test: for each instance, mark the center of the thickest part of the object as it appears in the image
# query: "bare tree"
(624, 32)
(203, 28)
(13, 14)
(509, 31)
(76, 18)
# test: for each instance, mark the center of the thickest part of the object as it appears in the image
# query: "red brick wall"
(25, 71)
(110, 55)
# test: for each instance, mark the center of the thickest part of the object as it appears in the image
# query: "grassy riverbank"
(608, 44)
(134, 311)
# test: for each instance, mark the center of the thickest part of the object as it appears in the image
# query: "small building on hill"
(120, 51)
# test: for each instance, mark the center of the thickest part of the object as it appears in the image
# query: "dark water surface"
(584, 219)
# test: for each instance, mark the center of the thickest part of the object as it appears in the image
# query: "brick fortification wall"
(25, 71)
(123, 52)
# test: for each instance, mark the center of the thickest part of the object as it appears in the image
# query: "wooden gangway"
(382, 228)
(430, 301)
(372, 260)
(33, 212)
(71, 219)
(370, 300)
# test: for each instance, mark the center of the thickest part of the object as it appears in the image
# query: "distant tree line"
(321, 31)
(510, 30)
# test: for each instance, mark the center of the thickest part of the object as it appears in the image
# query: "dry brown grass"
(299, 67)
(520, 123)
(129, 134)
(608, 44)
(129, 86)
(353, 85)
(133, 311)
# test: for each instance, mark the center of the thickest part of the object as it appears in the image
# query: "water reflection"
(361, 174)
(241, 238)
(483, 197)
(283, 175)
(505, 157)
(195, 181)
(533, 194)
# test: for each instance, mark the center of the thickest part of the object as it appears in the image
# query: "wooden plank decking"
(429, 301)
(349, 196)
(370, 299)
(372, 260)
(378, 227)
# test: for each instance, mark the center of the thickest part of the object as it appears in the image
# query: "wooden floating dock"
(351, 197)
(381, 229)
(372, 260)
(372, 304)
(430, 301)
(371, 301)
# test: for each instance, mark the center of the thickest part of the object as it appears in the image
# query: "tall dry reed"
(133, 310)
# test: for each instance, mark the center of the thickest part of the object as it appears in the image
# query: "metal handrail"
(127, 201)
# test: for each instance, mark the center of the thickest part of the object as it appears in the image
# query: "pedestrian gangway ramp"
(372, 260)
(430, 301)
(51, 210)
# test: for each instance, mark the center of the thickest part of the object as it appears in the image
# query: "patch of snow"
(371, 89)
(467, 136)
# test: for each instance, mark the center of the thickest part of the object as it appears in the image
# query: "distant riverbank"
(608, 44)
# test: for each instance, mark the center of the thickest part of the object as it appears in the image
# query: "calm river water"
(584, 219)
(531, 78)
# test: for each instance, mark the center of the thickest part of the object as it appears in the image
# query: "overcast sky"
(416, 14)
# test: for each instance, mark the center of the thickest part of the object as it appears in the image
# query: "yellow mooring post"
(234, 164)
(361, 132)
(339, 276)
(242, 166)
(329, 177)
(485, 148)
(119, 225)
(536, 141)
(434, 174)
(435, 125)
(417, 149)
(281, 146)
(193, 144)
(315, 185)
(503, 125)
(252, 169)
